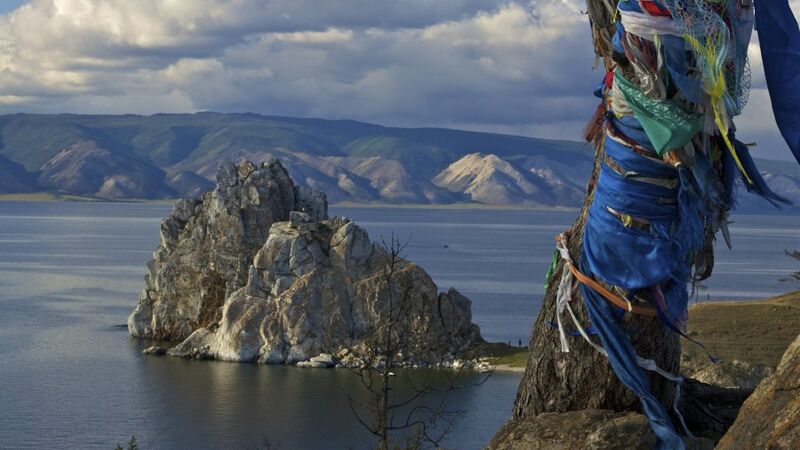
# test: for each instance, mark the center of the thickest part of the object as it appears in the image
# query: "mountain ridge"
(175, 155)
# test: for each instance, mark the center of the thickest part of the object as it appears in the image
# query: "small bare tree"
(795, 276)
(408, 409)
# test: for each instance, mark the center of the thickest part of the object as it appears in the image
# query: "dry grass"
(757, 332)
(46, 197)
(500, 354)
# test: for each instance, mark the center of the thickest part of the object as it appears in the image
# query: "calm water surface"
(71, 378)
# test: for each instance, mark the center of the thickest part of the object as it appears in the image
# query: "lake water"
(70, 377)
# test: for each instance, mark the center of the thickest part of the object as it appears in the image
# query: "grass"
(757, 332)
(503, 355)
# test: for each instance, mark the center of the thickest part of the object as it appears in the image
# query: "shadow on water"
(211, 404)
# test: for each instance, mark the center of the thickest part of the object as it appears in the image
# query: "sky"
(509, 66)
(10, 5)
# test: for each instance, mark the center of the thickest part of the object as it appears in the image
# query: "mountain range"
(176, 155)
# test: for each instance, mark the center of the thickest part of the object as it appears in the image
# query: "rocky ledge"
(255, 271)
(770, 418)
(584, 429)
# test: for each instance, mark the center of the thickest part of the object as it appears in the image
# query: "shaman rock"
(207, 244)
(318, 287)
(255, 271)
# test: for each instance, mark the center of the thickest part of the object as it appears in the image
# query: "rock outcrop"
(733, 374)
(584, 429)
(316, 287)
(207, 245)
(770, 418)
(256, 272)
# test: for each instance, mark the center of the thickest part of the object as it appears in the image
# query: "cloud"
(512, 65)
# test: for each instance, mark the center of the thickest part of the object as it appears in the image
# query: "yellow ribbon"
(716, 92)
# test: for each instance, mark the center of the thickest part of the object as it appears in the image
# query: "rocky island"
(254, 270)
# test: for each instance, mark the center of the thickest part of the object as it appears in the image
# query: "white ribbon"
(644, 363)
(564, 295)
(646, 26)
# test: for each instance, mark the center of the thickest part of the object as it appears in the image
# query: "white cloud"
(504, 65)
(405, 62)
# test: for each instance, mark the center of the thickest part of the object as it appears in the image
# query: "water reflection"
(216, 404)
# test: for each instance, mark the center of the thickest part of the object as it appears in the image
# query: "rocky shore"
(255, 271)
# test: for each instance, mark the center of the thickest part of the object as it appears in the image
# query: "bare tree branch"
(399, 409)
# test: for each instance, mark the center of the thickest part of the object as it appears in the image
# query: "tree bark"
(582, 379)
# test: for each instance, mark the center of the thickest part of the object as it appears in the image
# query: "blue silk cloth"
(637, 259)
(779, 38)
(633, 258)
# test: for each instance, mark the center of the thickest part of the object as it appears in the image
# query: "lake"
(70, 377)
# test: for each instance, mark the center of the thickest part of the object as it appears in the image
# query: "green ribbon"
(667, 124)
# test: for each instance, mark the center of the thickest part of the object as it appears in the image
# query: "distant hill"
(14, 178)
(172, 155)
(519, 180)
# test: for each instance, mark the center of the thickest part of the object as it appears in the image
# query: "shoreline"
(53, 197)
(461, 206)
(45, 196)
(505, 368)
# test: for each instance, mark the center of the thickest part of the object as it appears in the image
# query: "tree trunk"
(581, 379)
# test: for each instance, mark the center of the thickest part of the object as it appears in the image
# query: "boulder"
(324, 358)
(770, 418)
(321, 361)
(155, 350)
(585, 429)
(733, 374)
(312, 365)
